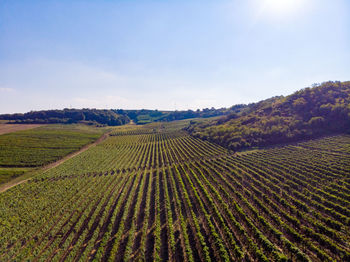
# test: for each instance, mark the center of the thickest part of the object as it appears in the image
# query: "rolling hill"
(311, 112)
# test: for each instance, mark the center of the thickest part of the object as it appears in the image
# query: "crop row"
(168, 196)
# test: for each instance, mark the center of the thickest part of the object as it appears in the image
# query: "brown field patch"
(10, 128)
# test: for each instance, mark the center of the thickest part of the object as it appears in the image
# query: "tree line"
(311, 112)
(113, 117)
(68, 116)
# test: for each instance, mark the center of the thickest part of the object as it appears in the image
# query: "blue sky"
(167, 54)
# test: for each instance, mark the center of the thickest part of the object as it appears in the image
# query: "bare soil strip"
(26, 177)
(9, 128)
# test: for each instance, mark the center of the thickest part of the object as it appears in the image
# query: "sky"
(167, 55)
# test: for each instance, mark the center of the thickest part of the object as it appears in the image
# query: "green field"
(6, 174)
(156, 193)
(20, 151)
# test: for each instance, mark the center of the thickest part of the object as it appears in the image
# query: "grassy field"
(154, 193)
(23, 150)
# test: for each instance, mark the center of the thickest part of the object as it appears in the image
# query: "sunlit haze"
(283, 8)
(167, 54)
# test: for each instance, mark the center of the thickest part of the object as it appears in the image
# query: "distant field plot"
(164, 195)
(42, 145)
(152, 128)
(9, 128)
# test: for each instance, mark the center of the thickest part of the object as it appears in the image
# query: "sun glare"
(281, 8)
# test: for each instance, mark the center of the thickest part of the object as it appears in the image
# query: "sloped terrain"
(157, 193)
(308, 113)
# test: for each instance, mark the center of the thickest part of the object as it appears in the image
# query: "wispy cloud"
(47, 84)
(52, 83)
(6, 90)
(105, 101)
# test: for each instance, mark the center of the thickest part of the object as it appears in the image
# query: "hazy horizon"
(167, 55)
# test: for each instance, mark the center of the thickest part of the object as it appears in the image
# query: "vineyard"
(156, 193)
(27, 150)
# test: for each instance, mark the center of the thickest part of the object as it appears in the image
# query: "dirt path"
(69, 156)
(24, 178)
(10, 184)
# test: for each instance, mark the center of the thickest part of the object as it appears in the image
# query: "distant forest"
(113, 117)
(311, 112)
(68, 116)
(145, 116)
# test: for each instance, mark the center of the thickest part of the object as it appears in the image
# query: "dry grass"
(9, 128)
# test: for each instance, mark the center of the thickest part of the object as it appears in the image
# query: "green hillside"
(311, 112)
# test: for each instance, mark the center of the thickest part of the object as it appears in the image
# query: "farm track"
(15, 182)
(81, 150)
(157, 196)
